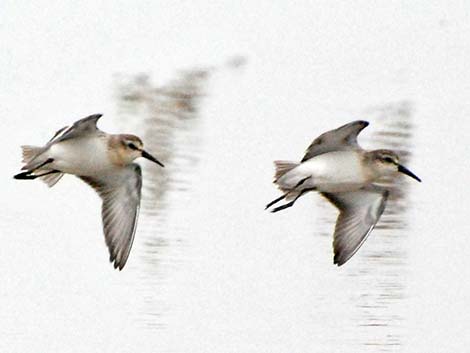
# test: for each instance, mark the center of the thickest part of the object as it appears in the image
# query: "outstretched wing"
(359, 213)
(79, 128)
(120, 193)
(340, 139)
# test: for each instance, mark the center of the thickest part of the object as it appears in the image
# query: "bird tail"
(33, 157)
(31, 160)
(51, 179)
(30, 153)
(282, 167)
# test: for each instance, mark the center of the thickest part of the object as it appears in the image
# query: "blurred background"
(217, 91)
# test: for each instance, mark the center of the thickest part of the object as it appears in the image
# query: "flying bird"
(106, 163)
(344, 173)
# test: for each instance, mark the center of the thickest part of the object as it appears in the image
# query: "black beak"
(151, 158)
(406, 171)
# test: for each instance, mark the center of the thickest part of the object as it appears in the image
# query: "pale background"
(210, 270)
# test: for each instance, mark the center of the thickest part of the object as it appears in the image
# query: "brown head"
(386, 162)
(125, 148)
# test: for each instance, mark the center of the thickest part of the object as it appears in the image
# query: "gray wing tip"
(88, 118)
(94, 116)
(118, 264)
(117, 255)
(340, 258)
(363, 122)
(336, 261)
(360, 123)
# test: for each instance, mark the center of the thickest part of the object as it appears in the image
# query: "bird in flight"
(106, 163)
(344, 173)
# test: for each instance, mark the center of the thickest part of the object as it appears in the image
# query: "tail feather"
(282, 167)
(30, 152)
(51, 179)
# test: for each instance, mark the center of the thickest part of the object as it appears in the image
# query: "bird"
(345, 174)
(106, 163)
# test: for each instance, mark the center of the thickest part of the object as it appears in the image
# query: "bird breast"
(81, 156)
(335, 171)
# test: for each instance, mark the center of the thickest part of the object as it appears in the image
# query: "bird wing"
(359, 212)
(120, 193)
(81, 127)
(340, 139)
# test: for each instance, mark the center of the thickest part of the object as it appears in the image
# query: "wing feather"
(340, 139)
(79, 128)
(121, 194)
(359, 213)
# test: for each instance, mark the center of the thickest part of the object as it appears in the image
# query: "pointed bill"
(359, 212)
(151, 158)
(408, 172)
(120, 193)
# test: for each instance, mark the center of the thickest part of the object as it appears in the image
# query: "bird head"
(130, 147)
(386, 162)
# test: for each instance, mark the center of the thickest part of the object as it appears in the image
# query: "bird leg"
(47, 173)
(275, 201)
(28, 173)
(290, 204)
(285, 195)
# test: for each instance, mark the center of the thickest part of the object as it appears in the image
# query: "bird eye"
(388, 160)
(132, 146)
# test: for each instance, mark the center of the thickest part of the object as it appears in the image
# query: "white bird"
(337, 167)
(103, 161)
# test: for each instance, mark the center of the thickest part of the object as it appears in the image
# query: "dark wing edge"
(80, 127)
(332, 140)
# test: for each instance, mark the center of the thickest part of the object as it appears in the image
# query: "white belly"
(329, 172)
(81, 156)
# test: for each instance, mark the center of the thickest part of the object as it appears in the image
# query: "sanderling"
(103, 161)
(337, 167)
